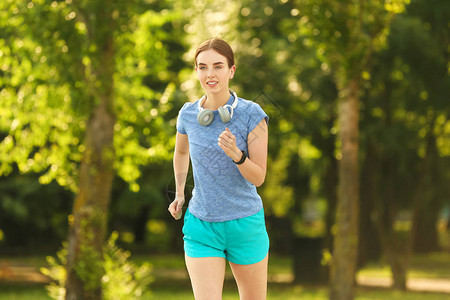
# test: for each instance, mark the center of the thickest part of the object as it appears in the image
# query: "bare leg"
(207, 275)
(251, 279)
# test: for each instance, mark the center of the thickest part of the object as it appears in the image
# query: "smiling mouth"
(211, 83)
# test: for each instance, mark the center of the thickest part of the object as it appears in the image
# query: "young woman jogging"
(226, 139)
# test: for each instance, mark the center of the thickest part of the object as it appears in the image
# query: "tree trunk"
(330, 184)
(398, 257)
(396, 245)
(346, 239)
(425, 234)
(430, 204)
(87, 227)
(369, 243)
(88, 223)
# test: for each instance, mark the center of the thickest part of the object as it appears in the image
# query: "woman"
(226, 138)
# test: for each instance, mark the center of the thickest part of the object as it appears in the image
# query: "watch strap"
(243, 157)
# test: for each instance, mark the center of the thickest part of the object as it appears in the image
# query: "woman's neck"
(216, 100)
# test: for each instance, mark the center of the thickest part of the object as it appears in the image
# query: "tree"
(73, 93)
(403, 119)
(347, 33)
(88, 221)
(425, 52)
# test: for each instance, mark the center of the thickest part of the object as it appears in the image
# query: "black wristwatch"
(243, 157)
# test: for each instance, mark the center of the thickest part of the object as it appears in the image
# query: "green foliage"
(346, 33)
(123, 279)
(57, 272)
(89, 264)
(49, 85)
(42, 133)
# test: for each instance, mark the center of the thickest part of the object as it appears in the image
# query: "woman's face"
(213, 71)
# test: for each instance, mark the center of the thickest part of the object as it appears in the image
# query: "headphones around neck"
(206, 116)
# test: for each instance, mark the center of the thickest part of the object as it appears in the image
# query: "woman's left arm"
(254, 167)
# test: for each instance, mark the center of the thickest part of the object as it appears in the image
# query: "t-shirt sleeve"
(180, 120)
(256, 115)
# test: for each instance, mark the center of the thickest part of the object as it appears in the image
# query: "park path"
(18, 272)
(438, 285)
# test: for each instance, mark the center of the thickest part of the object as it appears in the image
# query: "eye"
(218, 67)
(202, 68)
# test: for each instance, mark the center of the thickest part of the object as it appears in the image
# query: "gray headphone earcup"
(205, 117)
(224, 114)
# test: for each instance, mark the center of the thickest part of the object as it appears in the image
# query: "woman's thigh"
(207, 275)
(251, 279)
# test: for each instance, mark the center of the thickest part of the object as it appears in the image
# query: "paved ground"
(413, 284)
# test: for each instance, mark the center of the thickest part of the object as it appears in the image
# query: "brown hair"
(218, 45)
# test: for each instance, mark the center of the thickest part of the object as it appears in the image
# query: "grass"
(23, 292)
(171, 281)
(181, 291)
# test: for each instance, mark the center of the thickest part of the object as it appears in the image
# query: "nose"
(210, 72)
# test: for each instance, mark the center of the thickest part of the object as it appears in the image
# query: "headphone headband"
(233, 93)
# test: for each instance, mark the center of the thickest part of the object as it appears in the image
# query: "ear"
(233, 70)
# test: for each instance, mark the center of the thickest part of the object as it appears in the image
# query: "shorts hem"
(249, 261)
(203, 255)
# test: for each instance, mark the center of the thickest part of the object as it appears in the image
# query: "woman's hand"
(176, 207)
(227, 141)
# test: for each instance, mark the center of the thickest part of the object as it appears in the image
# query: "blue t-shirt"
(220, 192)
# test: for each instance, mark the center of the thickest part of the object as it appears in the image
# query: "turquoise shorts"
(241, 241)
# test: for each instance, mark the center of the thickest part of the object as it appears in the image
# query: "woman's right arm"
(180, 169)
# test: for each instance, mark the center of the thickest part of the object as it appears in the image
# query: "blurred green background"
(286, 62)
